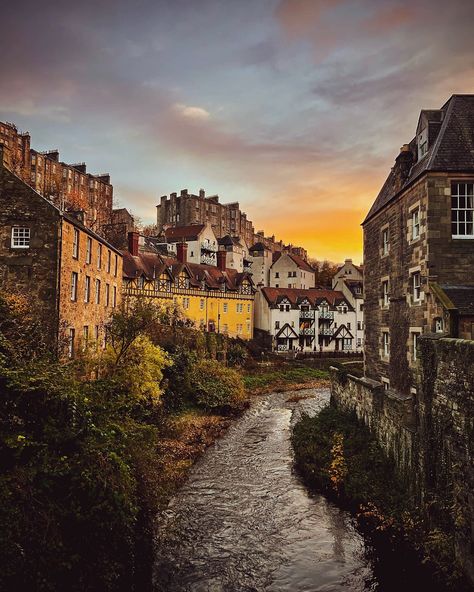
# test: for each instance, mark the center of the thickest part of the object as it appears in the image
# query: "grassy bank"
(285, 376)
(338, 456)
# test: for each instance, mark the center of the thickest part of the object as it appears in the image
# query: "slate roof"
(451, 149)
(301, 263)
(462, 297)
(259, 247)
(355, 285)
(296, 295)
(175, 234)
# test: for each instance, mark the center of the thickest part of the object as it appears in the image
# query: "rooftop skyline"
(294, 108)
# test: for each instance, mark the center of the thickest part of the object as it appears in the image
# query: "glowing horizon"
(294, 108)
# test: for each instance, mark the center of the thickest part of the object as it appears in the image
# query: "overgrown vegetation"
(337, 455)
(90, 448)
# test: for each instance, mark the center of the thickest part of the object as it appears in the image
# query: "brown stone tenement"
(432, 441)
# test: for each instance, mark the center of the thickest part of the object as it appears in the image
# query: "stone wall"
(430, 435)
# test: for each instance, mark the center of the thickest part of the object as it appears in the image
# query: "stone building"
(226, 219)
(216, 298)
(72, 274)
(419, 246)
(306, 319)
(68, 186)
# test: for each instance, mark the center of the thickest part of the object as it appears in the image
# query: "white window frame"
(21, 236)
(463, 213)
(71, 339)
(415, 224)
(89, 250)
(416, 286)
(386, 344)
(74, 284)
(385, 241)
(385, 293)
(97, 291)
(75, 244)
(87, 288)
(99, 256)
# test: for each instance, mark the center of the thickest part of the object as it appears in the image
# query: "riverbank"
(337, 456)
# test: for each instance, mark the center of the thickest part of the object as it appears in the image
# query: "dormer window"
(422, 142)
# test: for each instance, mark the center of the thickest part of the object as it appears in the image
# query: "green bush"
(217, 387)
(236, 355)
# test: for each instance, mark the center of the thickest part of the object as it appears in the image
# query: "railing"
(206, 245)
(151, 293)
(326, 314)
(208, 260)
(306, 314)
(326, 331)
(247, 267)
(307, 331)
(282, 348)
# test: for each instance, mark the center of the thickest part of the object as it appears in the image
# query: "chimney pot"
(221, 260)
(184, 192)
(182, 252)
(133, 239)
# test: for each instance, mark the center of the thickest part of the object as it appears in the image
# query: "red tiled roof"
(179, 233)
(295, 295)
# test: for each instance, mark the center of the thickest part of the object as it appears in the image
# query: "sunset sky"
(294, 108)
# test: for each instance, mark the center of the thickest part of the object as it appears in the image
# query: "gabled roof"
(259, 247)
(175, 234)
(151, 265)
(460, 298)
(301, 263)
(355, 286)
(295, 295)
(287, 331)
(342, 332)
(451, 149)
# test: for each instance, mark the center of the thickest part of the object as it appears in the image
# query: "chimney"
(133, 238)
(184, 192)
(221, 260)
(202, 193)
(172, 195)
(182, 250)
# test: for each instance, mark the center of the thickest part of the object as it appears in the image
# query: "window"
(99, 256)
(109, 257)
(248, 307)
(277, 274)
(416, 286)
(385, 344)
(75, 244)
(290, 274)
(85, 337)
(115, 265)
(114, 297)
(70, 349)
(385, 242)
(277, 324)
(96, 333)
(74, 278)
(462, 210)
(438, 325)
(386, 384)
(225, 307)
(359, 326)
(97, 291)
(348, 326)
(201, 305)
(226, 328)
(414, 339)
(385, 297)
(88, 250)
(141, 282)
(107, 294)
(415, 224)
(20, 237)
(87, 289)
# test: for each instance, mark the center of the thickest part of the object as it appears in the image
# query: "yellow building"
(216, 299)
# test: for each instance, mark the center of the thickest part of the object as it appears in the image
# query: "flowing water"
(244, 523)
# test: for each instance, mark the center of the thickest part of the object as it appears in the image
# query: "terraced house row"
(216, 298)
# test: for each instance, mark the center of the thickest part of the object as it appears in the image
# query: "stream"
(243, 522)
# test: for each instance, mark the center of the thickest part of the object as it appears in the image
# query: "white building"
(306, 319)
(201, 241)
(262, 259)
(349, 280)
(237, 253)
(291, 271)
